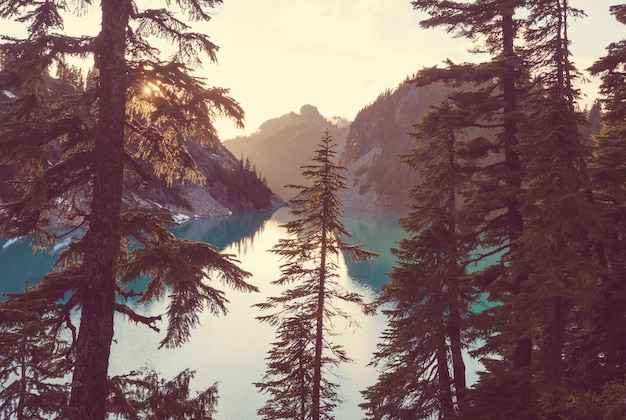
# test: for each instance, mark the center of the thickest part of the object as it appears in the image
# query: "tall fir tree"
(563, 226)
(600, 350)
(139, 107)
(304, 312)
(420, 358)
(530, 191)
(493, 93)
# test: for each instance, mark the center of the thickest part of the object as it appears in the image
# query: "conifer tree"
(87, 147)
(303, 313)
(144, 394)
(563, 226)
(35, 361)
(529, 195)
(600, 351)
(420, 358)
(493, 93)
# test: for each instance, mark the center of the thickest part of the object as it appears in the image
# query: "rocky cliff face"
(368, 147)
(229, 189)
(377, 178)
(282, 145)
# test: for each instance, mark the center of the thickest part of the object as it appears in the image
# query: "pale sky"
(339, 55)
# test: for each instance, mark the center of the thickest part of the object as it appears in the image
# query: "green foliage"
(530, 195)
(429, 296)
(304, 311)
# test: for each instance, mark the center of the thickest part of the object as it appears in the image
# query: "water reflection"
(239, 230)
(19, 263)
(232, 349)
(379, 232)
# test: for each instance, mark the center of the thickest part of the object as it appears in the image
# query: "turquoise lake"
(231, 349)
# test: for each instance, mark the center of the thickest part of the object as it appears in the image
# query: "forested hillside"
(228, 186)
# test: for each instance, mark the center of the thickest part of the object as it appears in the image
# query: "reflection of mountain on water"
(239, 230)
(379, 232)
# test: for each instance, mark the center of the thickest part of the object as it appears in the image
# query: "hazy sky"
(338, 55)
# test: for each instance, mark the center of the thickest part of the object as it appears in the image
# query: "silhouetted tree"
(530, 189)
(144, 395)
(304, 311)
(141, 108)
(35, 360)
(422, 372)
(600, 351)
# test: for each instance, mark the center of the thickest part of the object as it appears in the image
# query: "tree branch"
(134, 316)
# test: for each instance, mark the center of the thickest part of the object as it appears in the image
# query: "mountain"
(377, 179)
(230, 188)
(282, 145)
(368, 147)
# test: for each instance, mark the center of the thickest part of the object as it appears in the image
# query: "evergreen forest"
(504, 173)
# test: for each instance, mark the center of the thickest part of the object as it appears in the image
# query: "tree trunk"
(523, 350)
(556, 349)
(319, 332)
(97, 294)
(454, 319)
(446, 405)
(458, 365)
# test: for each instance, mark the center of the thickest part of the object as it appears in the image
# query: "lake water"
(231, 349)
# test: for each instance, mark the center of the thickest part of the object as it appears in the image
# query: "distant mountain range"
(368, 147)
(250, 172)
(282, 145)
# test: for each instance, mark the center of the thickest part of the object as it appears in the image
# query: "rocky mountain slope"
(377, 178)
(368, 147)
(281, 145)
(230, 188)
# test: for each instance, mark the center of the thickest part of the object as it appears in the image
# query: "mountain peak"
(309, 111)
(289, 140)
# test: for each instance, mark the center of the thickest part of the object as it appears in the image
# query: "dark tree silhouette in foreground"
(422, 371)
(144, 395)
(138, 110)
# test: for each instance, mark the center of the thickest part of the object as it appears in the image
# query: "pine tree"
(144, 395)
(420, 358)
(493, 93)
(559, 246)
(304, 311)
(530, 191)
(141, 109)
(600, 351)
(35, 361)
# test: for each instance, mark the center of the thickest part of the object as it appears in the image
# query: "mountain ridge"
(369, 147)
(292, 139)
